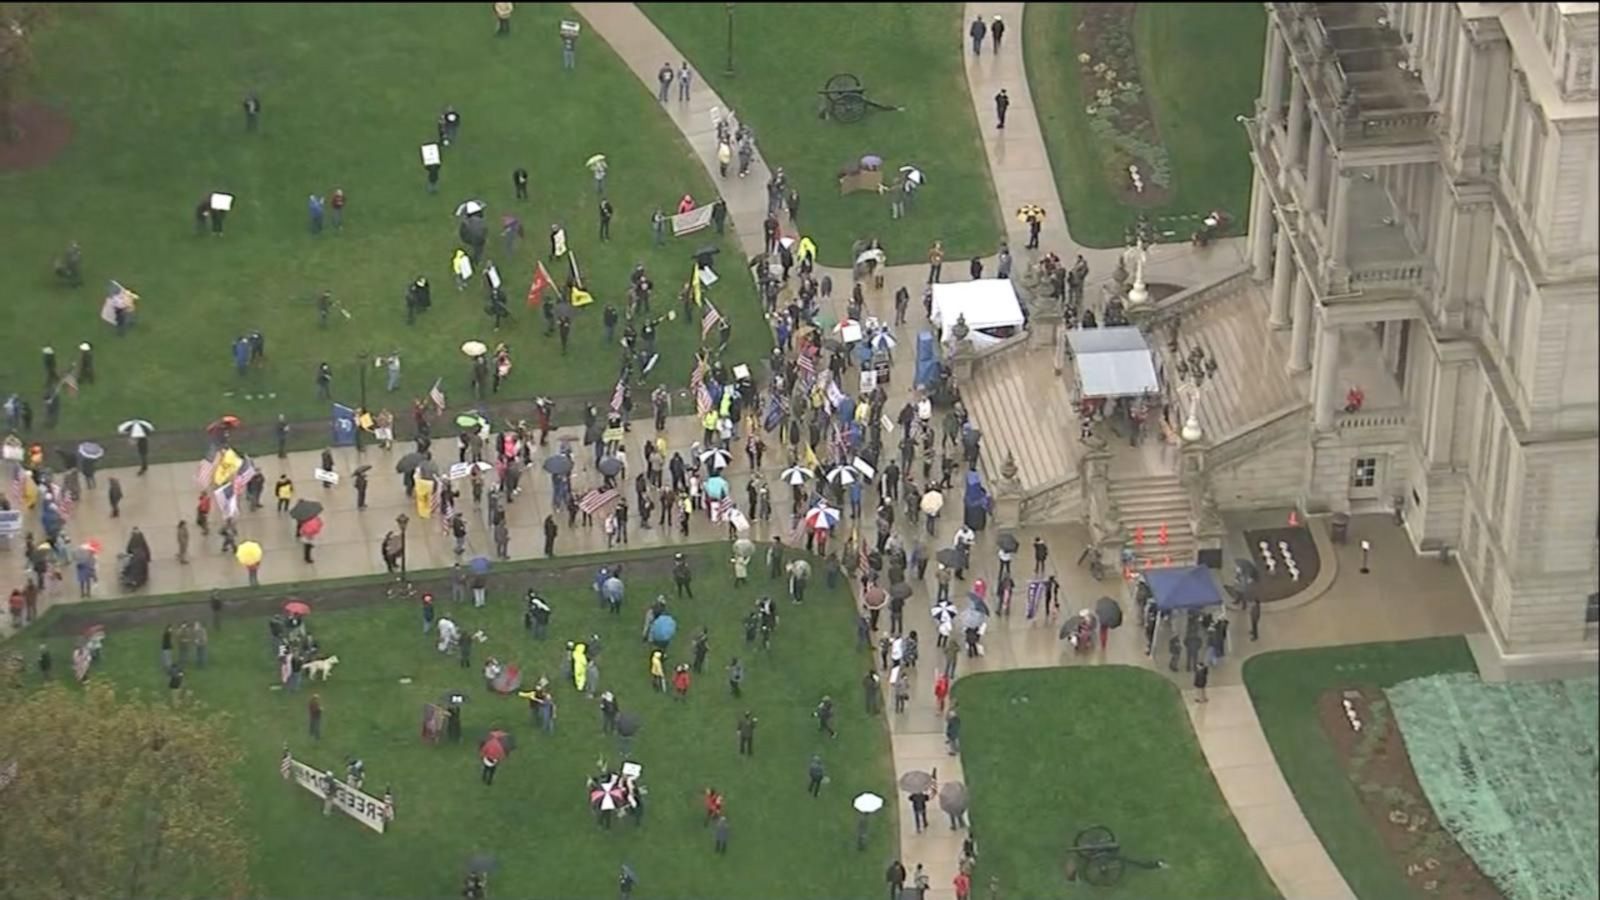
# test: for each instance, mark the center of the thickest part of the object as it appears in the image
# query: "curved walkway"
(1019, 164)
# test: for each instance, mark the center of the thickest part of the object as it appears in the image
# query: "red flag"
(541, 280)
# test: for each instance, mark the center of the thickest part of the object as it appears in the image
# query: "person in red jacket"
(680, 682)
(713, 805)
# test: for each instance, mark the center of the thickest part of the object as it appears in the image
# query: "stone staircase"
(1022, 407)
(1146, 503)
(1250, 385)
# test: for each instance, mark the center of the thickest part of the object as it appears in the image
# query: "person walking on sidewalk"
(684, 77)
(997, 30)
(664, 82)
(1002, 102)
(977, 30)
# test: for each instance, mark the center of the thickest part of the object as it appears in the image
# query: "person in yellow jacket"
(580, 665)
(658, 674)
(284, 491)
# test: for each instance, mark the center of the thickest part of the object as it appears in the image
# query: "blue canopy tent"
(1182, 587)
(927, 373)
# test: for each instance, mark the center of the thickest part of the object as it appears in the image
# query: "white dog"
(320, 668)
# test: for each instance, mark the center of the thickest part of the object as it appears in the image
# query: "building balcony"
(1359, 76)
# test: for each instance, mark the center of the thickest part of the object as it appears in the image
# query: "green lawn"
(1049, 752)
(1200, 66)
(535, 818)
(1285, 686)
(349, 92)
(907, 55)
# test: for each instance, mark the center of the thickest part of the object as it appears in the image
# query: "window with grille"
(1365, 472)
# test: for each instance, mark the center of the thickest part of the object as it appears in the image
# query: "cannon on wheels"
(1096, 858)
(844, 99)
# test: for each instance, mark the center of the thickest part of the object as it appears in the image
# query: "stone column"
(1324, 403)
(1316, 168)
(1282, 280)
(1294, 140)
(1338, 219)
(1300, 337)
(1272, 78)
(1261, 224)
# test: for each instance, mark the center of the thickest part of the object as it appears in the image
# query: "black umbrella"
(953, 797)
(949, 557)
(408, 462)
(707, 250)
(560, 464)
(628, 725)
(609, 466)
(1108, 612)
(1008, 543)
(900, 591)
(304, 510)
(361, 470)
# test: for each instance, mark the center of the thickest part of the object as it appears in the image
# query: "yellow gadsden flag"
(580, 297)
(227, 466)
(424, 495)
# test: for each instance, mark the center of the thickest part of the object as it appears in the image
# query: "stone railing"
(1184, 302)
(1373, 420)
(1038, 506)
(1100, 511)
(1388, 126)
(1252, 437)
(1401, 274)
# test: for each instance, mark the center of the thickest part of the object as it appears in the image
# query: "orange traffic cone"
(1161, 536)
(1294, 518)
(1138, 536)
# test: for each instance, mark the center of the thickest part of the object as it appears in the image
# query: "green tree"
(19, 23)
(107, 796)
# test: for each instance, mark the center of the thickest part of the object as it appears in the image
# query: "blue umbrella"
(716, 487)
(479, 565)
(663, 628)
(611, 589)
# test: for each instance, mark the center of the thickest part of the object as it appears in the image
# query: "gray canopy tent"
(1113, 362)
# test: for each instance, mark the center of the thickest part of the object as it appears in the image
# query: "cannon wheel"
(1103, 869)
(1094, 835)
(849, 107)
(844, 81)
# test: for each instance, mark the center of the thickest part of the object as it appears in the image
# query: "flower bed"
(1135, 161)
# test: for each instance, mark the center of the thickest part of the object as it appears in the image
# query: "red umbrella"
(297, 608)
(311, 527)
(223, 424)
(493, 751)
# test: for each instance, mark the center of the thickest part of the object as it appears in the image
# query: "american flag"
(862, 556)
(594, 500)
(64, 502)
(436, 394)
(709, 321)
(808, 368)
(247, 471)
(286, 765)
(697, 381)
(617, 395)
(205, 471)
(15, 490)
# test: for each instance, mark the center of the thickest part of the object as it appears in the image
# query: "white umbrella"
(474, 349)
(136, 428)
(469, 208)
(883, 340)
(796, 475)
(932, 502)
(912, 174)
(716, 458)
(867, 803)
(873, 255)
(842, 475)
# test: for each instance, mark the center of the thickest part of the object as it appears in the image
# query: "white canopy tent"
(990, 306)
(1113, 362)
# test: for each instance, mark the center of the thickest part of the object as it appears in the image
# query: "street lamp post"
(1195, 371)
(361, 368)
(728, 70)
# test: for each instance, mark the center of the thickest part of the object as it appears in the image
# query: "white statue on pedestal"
(1189, 393)
(1138, 294)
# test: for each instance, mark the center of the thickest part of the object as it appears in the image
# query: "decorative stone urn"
(1008, 468)
(960, 330)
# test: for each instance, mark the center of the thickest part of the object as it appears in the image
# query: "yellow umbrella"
(1031, 210)
(248, 554)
